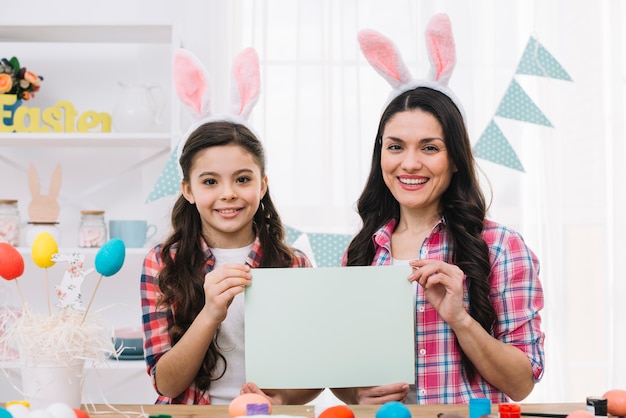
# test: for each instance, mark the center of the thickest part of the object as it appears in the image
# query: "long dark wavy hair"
(182, 277)
(462, 205)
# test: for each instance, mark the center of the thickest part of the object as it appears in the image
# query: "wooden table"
(360, 411)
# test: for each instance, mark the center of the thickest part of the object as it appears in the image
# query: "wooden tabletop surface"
(360, 411)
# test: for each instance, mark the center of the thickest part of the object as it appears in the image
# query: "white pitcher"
(139, 109)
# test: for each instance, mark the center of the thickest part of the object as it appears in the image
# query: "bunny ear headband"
(383, 55)
(191, 82)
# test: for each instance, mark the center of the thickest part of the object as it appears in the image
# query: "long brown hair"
(182, 277)
(462, 204)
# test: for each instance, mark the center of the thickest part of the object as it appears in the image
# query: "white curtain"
(319, 113)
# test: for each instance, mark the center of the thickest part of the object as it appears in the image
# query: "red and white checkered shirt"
(516, 294)
(157, 322)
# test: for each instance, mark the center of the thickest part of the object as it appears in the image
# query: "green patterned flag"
(168, 182)
(538, 61)
(291, 235)
(493, 146)
(517, 105)
(328, 249)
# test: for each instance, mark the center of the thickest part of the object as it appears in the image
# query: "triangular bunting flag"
(168, 182)
(328, 249)
(538, 61)
(517, 105)
(493, 146)
(291, 235)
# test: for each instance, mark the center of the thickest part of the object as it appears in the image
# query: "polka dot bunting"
(493, 146)
(328, 249)
(291, 235)
(168, 182)
(517, 105)
(536, 60)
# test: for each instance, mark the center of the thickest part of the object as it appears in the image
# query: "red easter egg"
(80, 413)
(238, 406)
(337, 411)
(616, 402)
(11, 262)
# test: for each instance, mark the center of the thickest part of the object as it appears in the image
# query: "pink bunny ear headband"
(191, 82)
(383, 55)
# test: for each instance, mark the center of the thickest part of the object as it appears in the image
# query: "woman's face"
(414, 160)
(226, 185)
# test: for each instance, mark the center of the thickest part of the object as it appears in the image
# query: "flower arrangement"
(15, 79)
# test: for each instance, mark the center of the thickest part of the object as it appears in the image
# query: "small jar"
(9, 222)
(92, 231)
(35, 228)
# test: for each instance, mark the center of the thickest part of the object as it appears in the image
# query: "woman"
(478, 328)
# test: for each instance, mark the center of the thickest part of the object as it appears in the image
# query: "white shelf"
(99, 140)
(148, 34)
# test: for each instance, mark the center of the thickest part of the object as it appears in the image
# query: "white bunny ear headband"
(383, 55)
(191, 82)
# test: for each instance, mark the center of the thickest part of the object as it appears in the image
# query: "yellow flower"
(6, 83)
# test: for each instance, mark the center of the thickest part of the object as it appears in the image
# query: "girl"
(223, 225)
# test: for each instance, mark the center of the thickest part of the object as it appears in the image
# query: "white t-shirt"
(231, 336)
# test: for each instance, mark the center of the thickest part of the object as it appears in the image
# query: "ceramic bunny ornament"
(191, 82)
(44, 208)
(383, 55)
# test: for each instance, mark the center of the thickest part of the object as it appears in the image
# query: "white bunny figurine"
(68, 291)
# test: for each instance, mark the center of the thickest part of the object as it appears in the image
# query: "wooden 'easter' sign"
(62, 117)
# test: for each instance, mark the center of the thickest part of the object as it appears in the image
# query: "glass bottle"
(92, 231)
(9, 222)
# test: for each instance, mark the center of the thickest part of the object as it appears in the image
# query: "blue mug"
(134, 233)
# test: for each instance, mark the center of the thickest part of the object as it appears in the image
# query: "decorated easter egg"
(581, 413)
(60, 410)
(393, 410)
(616, 402)
(18, 409)
(11, 262)
(239, 406)
(337, 411)
(44, 246)
(110, 258)
(4, 413)
(80, 413)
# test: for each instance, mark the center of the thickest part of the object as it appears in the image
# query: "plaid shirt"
(157, 322)
(516, 294)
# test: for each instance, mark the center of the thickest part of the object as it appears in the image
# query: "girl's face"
(414, 161)
(226, 185)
